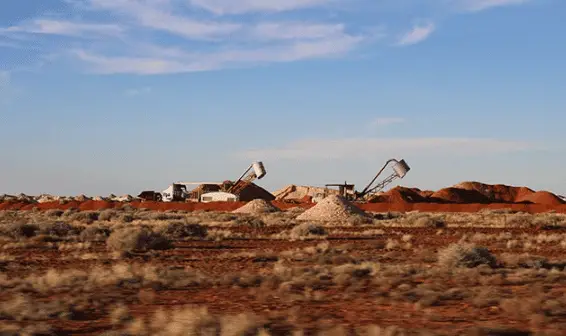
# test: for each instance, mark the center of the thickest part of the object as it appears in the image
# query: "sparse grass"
(269, 274)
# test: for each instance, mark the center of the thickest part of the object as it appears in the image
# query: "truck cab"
(175, 193)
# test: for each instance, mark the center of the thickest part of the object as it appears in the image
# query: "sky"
(120, 96)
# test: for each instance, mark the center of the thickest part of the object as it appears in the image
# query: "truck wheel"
(158, 198)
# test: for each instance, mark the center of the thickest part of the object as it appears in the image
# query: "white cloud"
(67, 28)
(154, 14)
(479, 5)
(194, 62)
(418, 34)
(358, 148)
(295, 30)
(175, 36)
(386, 121)
(221, 7)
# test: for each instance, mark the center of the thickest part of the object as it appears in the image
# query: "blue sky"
(118, 96)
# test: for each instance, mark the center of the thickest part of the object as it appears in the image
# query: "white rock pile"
(43, 198)
(333, 208)
(257, 206)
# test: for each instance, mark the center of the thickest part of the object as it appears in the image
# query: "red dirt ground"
(229, 206)
(358, 307)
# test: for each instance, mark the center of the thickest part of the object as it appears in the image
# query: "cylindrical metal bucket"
(259, 169)
(401, 168)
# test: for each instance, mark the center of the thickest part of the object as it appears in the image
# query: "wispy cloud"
(479, 5)
(68, 28)
(150, 37)
(418, 34)
(138, 91)
(386, 121)
(245, 6)
(349, 148)
(194, 62)
(155, 14)
(295, 30)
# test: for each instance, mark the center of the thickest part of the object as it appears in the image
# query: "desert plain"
(407, 263)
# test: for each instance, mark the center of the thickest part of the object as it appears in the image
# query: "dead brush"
(161, 216)
(303, 231)
(53, 213)
(249, 221)
(73, 246)
(429, 222)
(137, 239)
(465, 255)
(108, 214)
(120, 274)
(87, 217)
(524, 260)
(182, 230)
(59, 229)
(95, 233)
(192, 320)
(280, 218)
(19, 230)
(519, 220)
(321, 254)
(120, 314)
(37, 329)
(23, 308)
(126, 218)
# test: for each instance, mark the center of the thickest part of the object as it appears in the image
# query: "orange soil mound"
(541, 197)
(496, 192)
(454, 207)
(463, 197)
(456, 195)
(425, 193)
(400, 195)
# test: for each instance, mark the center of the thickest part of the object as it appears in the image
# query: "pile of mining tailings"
(257, 206)
(496, 193)
(332, 208)
(300, 193)
(457, 195)
(253, 191)
(399, 195)
(541, 197)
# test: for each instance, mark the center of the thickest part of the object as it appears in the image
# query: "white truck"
(177, 192)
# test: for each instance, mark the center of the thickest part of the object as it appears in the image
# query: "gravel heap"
(257, 206)
(332, 208)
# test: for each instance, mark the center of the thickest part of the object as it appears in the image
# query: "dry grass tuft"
(177, 230)
(465, 255)
(136, 239)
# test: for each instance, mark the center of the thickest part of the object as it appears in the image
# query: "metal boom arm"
(381, 184)
(235, 188)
